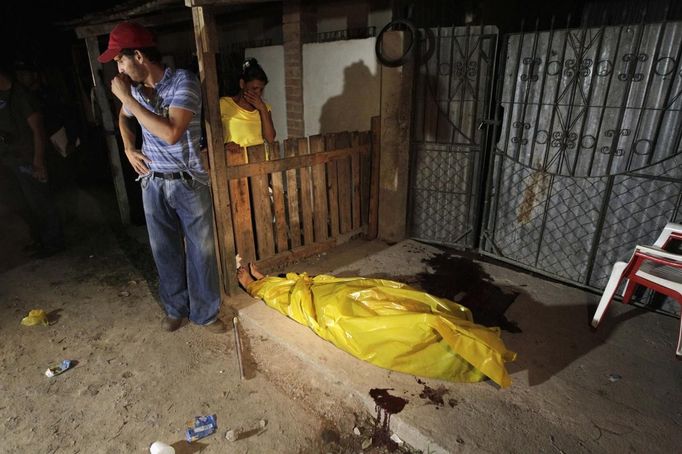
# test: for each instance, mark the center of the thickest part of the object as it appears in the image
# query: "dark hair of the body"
(251, 70)
(152, 53)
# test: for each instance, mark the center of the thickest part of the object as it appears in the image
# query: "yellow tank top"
(240, 125)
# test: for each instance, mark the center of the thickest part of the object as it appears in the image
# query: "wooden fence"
(311, 195)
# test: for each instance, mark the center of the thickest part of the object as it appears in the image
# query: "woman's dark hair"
(152, 53)
(251, 70)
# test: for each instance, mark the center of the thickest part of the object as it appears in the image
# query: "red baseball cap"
(127, 35)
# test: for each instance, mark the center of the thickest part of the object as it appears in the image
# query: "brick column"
(297, 22)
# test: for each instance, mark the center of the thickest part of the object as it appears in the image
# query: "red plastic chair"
(651, 266)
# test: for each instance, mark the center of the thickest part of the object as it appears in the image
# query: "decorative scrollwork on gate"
(604, 68)
(564, 140)
(631, 61)
(614, 150)
(463, 70)
(643, 147)
(521, 126)
(532, 74)
(664, 66)
(582, 67)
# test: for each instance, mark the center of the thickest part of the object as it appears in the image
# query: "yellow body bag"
(391, 325)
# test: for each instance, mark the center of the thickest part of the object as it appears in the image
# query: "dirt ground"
(133, 383)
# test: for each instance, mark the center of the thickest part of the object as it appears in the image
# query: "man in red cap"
(175, 192)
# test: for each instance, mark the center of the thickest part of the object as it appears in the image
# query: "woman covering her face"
(246, 118)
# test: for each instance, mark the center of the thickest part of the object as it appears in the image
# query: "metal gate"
(584, 161)
(588, 161)
(451, 97)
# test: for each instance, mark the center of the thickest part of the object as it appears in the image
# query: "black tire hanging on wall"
(408, 52)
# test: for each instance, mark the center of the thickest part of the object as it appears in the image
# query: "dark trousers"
(38, 208)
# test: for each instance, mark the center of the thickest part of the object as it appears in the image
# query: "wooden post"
(396, 99)
(109, 129)
(207, 40)
(373, 227)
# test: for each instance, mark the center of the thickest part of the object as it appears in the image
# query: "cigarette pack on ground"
(201, 427)
(64, 365)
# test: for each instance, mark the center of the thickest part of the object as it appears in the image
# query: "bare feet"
(254, 271)
(244, 277)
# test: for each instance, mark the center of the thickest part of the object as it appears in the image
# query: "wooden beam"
(207, 42)
(155, 20)
(294, 162)
(109, 130)
(196, 3)
(302, 252)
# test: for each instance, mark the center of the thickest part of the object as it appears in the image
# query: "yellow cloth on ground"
(391, 325)
(240, 126)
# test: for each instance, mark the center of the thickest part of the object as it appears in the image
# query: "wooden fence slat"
(241, 211)
(321, 214)
(278, 203)
(344, 181)
(306, 195)
(292, 197)
(332, 183)
(365, 175)
(373, 224)
(262, 206)
(355, 179)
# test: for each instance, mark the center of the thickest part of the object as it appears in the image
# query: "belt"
(172, 175)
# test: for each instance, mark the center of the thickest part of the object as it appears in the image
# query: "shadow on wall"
(357, 103)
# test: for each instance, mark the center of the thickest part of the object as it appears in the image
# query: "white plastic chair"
(651, 266)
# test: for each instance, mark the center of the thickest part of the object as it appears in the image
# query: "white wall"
(271, 58)
(341, 84)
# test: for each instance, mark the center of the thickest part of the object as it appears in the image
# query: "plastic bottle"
(159, 447)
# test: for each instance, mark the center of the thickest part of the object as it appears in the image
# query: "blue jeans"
(179, 216)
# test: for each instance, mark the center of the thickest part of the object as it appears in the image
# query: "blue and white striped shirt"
(181, 89)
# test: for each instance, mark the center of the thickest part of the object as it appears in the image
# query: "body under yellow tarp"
(391, 325)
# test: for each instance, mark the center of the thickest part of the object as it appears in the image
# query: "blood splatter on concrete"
(385, 406)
